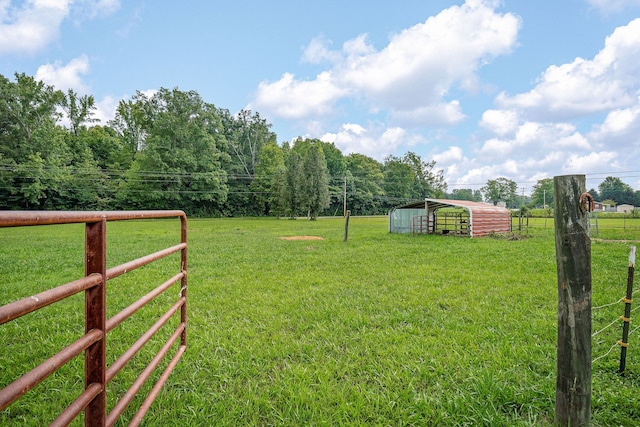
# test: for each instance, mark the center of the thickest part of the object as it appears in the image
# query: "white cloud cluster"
(30, 25)
(536, 130)
(65, 77)
(585, 86)
(410, 79)
(374, 140)
(412, 82)
(294, 99)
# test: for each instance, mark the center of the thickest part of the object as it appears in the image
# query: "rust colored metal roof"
(446, 203)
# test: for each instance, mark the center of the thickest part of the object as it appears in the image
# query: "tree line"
(173, 150)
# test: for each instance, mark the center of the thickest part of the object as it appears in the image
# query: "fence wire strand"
(605, 328)
(606, 354)
(606, 305)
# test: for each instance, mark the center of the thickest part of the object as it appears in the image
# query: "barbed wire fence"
(627, 300)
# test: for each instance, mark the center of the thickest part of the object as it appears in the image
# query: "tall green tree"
(316, 181)
(613, 188)
(500, 189)
(428, 183)
(131, 123)
(466, 194)
(28, 115)
(268, 178)
(246, 134)
(336, 168)
(292, 193)
(364, 185)
(79, 110)
(108, 149)
(40, 167)
(542, 192)
(180, 165)
(399, 180)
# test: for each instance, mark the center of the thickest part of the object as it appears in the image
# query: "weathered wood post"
(346, 225)
(573, 257)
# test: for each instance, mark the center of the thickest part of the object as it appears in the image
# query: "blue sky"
(518, 89)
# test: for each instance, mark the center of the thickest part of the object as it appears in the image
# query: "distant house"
(453, 217)
(625, 208)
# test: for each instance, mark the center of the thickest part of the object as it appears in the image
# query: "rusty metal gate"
(93, 343)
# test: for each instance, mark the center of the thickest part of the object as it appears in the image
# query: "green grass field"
(382, 329)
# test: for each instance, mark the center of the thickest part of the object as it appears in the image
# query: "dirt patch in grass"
(302, 238)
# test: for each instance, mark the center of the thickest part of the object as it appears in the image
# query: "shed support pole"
(573, 257)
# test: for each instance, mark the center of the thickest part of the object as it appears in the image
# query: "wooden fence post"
(346, 225)
(573, 257)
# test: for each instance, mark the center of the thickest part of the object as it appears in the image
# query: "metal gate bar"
(93, 399)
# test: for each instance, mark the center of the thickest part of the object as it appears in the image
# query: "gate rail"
(93, 343)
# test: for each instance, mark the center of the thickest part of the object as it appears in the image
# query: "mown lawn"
(380, 330)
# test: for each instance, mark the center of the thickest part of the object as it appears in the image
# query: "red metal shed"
(458, 217)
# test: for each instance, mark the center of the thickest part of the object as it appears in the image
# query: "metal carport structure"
(442, 216)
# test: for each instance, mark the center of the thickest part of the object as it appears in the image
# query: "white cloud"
(31, 26)
(619, 133)
(421, 64)
(409, 79)
(618, 121)
(91, 9)
(451, 155)
(294, 99)
(430, 115)
(500, 122)
(607, 7)
(474, 176)
(496, 147)
(375, 141)
(592, 162)
(106, 109)
(529, 138)
(621, 128)
(583, 86)
(318, 51)
(64, 77)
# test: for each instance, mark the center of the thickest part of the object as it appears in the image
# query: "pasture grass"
(383, 329)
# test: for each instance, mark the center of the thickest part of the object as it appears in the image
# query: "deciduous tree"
(179, 166)
(316, 181)
(613, 188)
(542, 192)
(292, 192)
(269, 171)
(427, 182)
(399, 180)
(364, 185)
(466, 194)
(500, 189)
